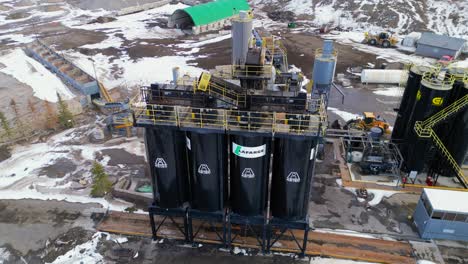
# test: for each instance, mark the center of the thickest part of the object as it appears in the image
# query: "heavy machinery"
(377, 159)
(368, 121)
(383, 39)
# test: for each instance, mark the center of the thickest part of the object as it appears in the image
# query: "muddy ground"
(30, 228)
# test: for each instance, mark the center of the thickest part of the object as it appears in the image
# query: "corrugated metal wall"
(434, 52)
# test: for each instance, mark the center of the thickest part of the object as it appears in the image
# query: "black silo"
(407, 103)
(166, 153)
(208, 163)
(293, 162)
(431, 97)
(249, 166)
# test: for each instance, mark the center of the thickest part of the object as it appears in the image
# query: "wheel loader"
(383, 39)
(368, 121)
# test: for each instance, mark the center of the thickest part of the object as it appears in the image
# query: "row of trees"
(19, 127)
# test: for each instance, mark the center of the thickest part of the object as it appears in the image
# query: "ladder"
(424, 129)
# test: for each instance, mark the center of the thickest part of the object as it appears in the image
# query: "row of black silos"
(211, 171)
(428, 92)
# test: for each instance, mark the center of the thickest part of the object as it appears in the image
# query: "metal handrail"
(446, 83)
(272, 122)
(246, 70)
(424, 129)
(446, 112)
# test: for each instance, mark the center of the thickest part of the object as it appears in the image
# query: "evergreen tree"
(65, 117)
(19, 123)
(51, 116)
(5, 124)
(102, 185)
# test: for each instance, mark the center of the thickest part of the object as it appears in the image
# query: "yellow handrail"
(446, 112)
(272, 122)
(424, 129)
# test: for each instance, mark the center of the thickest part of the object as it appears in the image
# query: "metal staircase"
(424, 129)
(221, 90)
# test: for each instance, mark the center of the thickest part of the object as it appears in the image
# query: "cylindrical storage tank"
(166, 153)
(208, 170)
(407, 102)
(383, 76)
(324, 67)
(375, 133)
(241, 34)
(457, 140)
(448, 129)
(175, 74)
(430, 99)
(292, 175)
(249, 166)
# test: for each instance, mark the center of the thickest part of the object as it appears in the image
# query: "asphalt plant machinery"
(233, 151)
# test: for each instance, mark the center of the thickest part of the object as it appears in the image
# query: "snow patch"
(239, 251)
(346, 116)
(422, 261)
(134, 72)
(133, 26)
(28, 71)
(192, 44)
(84, 253)
(395, 91)
(379, 195)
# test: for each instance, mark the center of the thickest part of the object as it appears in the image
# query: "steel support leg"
(304, 242)
(153, 225)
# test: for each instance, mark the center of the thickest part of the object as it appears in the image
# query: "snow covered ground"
(401, 16)
(394, 91)
(87, 252)
(346, 116)
(21, 176)
(142, 71)
(45, 84)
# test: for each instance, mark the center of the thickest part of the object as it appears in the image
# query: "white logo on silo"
(293, 177)
(204, 169)
(160, 163)
(249, 152)
(248, 173)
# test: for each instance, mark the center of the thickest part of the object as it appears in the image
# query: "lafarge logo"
(248, 152)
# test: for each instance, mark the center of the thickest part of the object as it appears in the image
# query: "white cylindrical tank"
(383, 76)
(356, 156)
(241, 34)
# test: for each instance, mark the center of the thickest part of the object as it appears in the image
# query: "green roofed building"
(206, 17)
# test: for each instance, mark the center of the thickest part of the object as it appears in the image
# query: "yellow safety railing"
(251, 70)
(276, 47)
(446, 83)
(230, 120)
(424, 128)
(446, 112)
(430, 133)
(223, 93)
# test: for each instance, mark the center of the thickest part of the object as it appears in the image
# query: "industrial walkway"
(319, 243)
